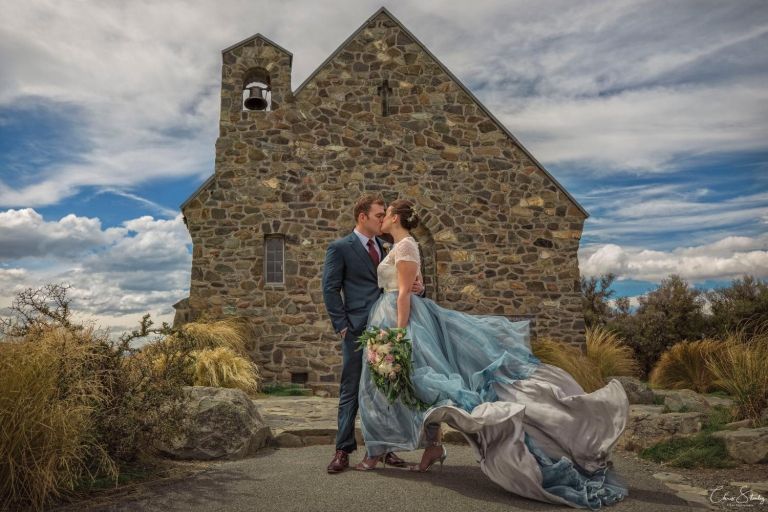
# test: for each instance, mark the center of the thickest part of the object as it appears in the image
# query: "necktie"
(373, 254)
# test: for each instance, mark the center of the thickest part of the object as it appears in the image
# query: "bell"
(255, 99)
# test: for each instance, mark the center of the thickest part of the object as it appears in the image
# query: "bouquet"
(389, 359)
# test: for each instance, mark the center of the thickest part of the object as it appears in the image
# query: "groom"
(350, 268)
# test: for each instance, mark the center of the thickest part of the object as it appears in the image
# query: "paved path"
(293, 479)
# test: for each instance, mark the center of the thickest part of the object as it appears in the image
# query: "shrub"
(609, 353)
(145, 401)
(668, 315)
(48, 400)
(218, 358)
(572, 360)
(222, 367)
(229, 333)
(741, 306)
(740, 369)
(73, 403)
(684, 366)
(595, 295)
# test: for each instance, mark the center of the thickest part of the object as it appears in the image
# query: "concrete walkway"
(291, 476)
(294, 479)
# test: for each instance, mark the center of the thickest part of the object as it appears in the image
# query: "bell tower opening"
(257, 90)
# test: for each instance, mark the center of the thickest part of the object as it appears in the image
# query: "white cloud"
(644, 129)
(158, 245)
(115, 275)
(659, 210)
(24, 233)
(728, 258)
(622, 84)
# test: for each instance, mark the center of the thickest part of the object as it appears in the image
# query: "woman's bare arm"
(406, 276)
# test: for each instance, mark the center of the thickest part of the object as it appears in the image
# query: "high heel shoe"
(440, 458)
(369, 464)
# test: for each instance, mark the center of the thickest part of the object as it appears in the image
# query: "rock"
(718, 401)
(637, 390)
(288, 440)
(735, 425)
(221, 423)
(688, 489)
(761, 487)
(748, 445)
(669, 477)
(648, 426)
(683, 399)
(322, 393)
(638, 409)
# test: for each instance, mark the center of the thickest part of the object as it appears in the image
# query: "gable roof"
(263, 38)
(385, 11)
(199, 189)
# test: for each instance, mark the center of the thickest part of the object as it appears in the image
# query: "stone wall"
(498, 236)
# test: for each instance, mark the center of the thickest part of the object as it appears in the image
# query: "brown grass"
(741, 369)
(570, 359)
(609, 353)
(47, 401)
(684, 366)
(605, 355)
(222, 367)
(229, 333)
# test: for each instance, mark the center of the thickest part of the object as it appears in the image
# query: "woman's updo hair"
(405, 209)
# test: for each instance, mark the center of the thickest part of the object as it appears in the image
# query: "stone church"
(382, 114)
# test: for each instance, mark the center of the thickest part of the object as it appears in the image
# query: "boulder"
(637, 391)
(647, 425)
(718, 401)
(221, 423)
(735, 425)
(683, 399)
(748, 445)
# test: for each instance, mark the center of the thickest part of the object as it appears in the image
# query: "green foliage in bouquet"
(389, 359)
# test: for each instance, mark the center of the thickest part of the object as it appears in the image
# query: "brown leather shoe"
(390, 459)
(339, 463)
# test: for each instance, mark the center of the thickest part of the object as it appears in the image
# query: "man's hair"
(364, 203)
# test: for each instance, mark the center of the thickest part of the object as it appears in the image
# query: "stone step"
(299, 437)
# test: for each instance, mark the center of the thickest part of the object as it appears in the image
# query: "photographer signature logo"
(745, 497)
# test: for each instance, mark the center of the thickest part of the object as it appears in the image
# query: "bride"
(533, 429)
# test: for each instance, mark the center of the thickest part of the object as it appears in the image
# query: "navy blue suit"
(349, 270)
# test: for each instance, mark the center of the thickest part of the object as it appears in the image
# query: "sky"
(652, 114)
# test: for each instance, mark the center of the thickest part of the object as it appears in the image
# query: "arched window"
(257, 90)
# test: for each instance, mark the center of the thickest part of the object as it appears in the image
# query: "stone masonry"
(499, 235)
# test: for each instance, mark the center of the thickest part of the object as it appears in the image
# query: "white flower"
(384, 368)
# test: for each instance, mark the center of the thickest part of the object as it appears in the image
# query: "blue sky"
(652, 114)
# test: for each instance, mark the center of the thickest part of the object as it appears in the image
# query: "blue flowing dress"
(533, 429)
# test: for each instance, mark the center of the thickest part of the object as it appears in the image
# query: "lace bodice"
(406, 249)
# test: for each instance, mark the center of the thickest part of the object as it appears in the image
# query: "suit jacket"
(348, 270)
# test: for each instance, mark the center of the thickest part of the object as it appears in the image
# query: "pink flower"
(389, 358)
(372, 357)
